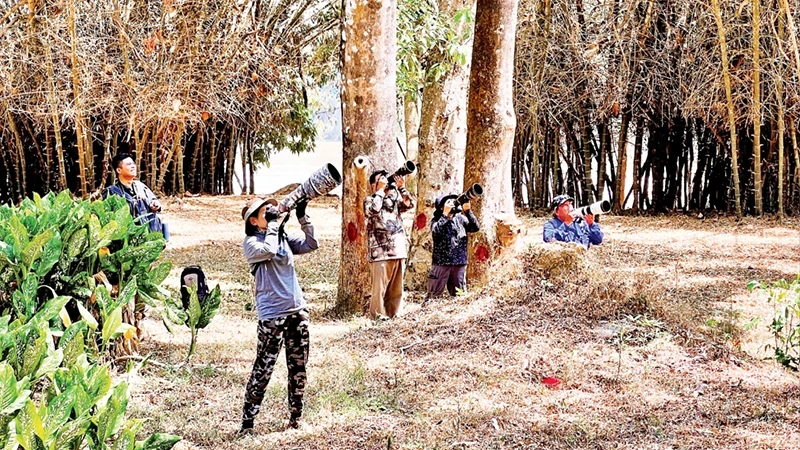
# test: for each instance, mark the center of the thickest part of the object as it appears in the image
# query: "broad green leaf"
(50, 255)
(77, 243)
(58, 412)
(125, 441)
(159, 441)
(94, 231)
(50, 363)
(111, 323)
(87, 316)
(10, 435)
(195, 311)
(159, 273)
(33, 250)
(71, 432)
(35, 352)
(50, 309)
(13, 394)
(112, 415)
(175, 314)
(128, 292)
(28, 426)
(210, 307)
(103, 299)
(74, 347)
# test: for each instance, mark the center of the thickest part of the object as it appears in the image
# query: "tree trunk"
(757, 185)
(411, 124)
(369, 118)
(731, 108)
(442, 142)
(229, 161)
(637, 162)
(490, 127)
(80, 133)
(601, 164)
(622, 161)
(176, 143)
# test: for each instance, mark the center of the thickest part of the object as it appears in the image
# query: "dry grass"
(629, 336)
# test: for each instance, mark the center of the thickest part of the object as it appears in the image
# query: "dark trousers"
(271, 334)
(450, 277)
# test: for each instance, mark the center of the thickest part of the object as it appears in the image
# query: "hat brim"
(257, 205)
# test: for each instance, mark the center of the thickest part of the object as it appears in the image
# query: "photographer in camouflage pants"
(281, 308)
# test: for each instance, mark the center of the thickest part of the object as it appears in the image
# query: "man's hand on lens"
(589, 218)
(465, 207)
(399, 181)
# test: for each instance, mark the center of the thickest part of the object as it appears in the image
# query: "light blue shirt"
(278, 292)
(578, 231)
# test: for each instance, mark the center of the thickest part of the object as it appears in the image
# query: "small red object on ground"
(551, 382)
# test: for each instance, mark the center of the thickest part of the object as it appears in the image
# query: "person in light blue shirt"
(563, 227)
(282, 312)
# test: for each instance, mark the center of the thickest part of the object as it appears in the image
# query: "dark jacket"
(450, 238)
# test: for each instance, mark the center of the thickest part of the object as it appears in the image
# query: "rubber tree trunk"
(443, 138)
(490, 127)
(369, 120)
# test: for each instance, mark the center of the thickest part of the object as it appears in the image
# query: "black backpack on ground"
(193, 276)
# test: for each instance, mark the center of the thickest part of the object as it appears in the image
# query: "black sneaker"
(247, 427)
(294, 422)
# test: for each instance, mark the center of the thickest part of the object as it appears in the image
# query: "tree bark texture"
(369, 121)
(490, 127)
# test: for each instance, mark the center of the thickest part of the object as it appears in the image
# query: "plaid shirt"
(385, 233)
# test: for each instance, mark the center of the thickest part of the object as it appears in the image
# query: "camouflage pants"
(271, 334)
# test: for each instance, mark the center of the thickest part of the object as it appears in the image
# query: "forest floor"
(646, 338)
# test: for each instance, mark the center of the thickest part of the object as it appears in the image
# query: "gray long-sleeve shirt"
(278, 292)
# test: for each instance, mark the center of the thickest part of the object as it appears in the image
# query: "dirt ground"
(668, 367)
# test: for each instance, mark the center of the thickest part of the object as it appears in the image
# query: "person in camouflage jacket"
(386, 241)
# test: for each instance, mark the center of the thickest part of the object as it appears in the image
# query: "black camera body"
(475, 191)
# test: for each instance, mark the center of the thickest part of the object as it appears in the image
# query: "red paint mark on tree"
(482, 253)
(421, 221)
(352, 232)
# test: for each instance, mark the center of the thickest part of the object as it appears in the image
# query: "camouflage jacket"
(386, 238)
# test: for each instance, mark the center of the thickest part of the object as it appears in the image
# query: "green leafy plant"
(785, 324)
(428, 43)
(91, 251)
(53, 397)
(197, 315)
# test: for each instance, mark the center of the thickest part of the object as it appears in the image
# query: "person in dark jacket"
(142, 202)
(449, 229)
(282, 312)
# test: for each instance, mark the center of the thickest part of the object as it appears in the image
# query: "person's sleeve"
(256, 251)
(307, 243)
(408, 202)
(149, 196)
(549, 234)
(472, 225)
(595, 234)
(373, 204)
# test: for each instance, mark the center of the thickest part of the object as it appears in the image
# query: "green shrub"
(91, 251)
(53, 397)
(198, 315)
(785, 324)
